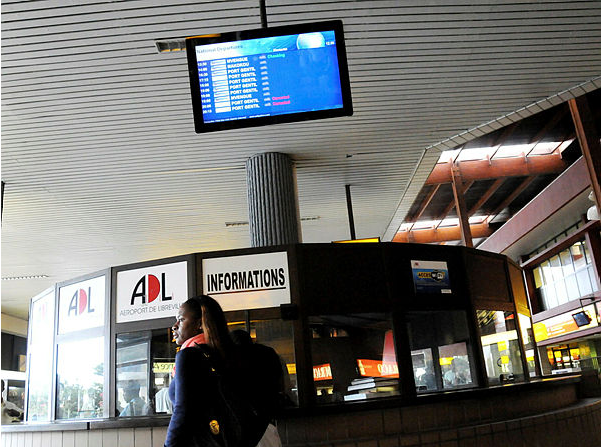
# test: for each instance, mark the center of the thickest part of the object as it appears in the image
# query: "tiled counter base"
(535, 414)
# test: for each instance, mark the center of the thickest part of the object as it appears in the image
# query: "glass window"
(80, 379)
(566, 262)
(353, 357)
(500, 346)
(550, 296)
(278, 335)
(562, 293)
(584, 282)
(592, 276)
(577, 251)
(40, 356)
(440, 351)
(133, 376)
(546, 266)
(556, 272)
(529, 345)
(538, 277)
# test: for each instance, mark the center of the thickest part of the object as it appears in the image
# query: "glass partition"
(528, 340)
(500, 346)
(278, 335)
(441, 351)
(80, 379)
(40, 358)
(134, 380)
(353, 357)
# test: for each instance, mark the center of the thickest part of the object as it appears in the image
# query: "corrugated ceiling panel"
(102, 166)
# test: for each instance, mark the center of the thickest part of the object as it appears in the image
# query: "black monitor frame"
(578, 318)
(333, 25)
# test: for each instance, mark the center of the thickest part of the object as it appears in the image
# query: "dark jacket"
(198, 397)
(188, 392)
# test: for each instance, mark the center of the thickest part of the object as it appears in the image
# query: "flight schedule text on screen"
(269, 76)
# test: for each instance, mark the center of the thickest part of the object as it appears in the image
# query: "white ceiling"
(102, 165)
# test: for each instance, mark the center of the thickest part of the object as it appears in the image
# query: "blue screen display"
(269, 76)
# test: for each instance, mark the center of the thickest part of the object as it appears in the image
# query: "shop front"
(571, 341)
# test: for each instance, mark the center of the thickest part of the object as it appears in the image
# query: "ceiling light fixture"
(15, 278)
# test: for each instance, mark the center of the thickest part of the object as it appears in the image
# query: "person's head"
(241, 337)
(203, 314)
(131, 391)
(188, 322)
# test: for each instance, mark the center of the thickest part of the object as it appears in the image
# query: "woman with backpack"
(209, 391)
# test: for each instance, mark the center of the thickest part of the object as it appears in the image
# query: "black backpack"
(232, 419)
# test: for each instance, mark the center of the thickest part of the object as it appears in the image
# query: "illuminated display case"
(351, 323)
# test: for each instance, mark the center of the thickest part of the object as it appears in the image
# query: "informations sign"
(248, 281)
(431, 277)
(151, 292)
(81, 305)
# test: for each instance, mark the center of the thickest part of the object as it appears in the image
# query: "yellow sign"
(291, 368)
(162, 367)
(359, 241)
(445, 361)
(502, 345)
(540, 331)
(505, 359)
(562, 324)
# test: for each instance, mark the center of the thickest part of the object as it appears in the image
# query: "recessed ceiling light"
(15, 278)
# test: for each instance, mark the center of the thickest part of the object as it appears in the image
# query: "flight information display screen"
(270, 75)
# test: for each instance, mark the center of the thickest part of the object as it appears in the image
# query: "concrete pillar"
(272, 200)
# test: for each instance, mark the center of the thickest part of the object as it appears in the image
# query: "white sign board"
(81, 305)
(248, 281)
(151, 292)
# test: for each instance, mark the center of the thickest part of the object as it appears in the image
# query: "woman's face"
(186, 326)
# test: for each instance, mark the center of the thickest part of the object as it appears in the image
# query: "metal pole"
(263, 13)
(349, 206)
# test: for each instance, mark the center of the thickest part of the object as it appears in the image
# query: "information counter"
(378, 329)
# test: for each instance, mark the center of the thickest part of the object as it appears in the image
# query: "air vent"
(16, 278)
(244, 222)
(170, 45)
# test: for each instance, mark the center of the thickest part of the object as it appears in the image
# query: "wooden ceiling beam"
(561, 112)
(425, 203)
(503, 137)
(487, 195)
(442, 216)
(499, 168)
(441, 234)
(464, 224)
(589, 142)
(511, 197)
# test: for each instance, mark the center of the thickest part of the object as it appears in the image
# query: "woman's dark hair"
(214, 325)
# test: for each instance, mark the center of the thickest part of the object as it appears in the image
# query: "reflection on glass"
(133, 366)
(455, 366)
(278, 335)
(353, 357)
(424, 373)
(441, 352)
(528, 339)
(80, 376)
(145, 362)
(40, 358)
(565, 277)
(500, 346)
